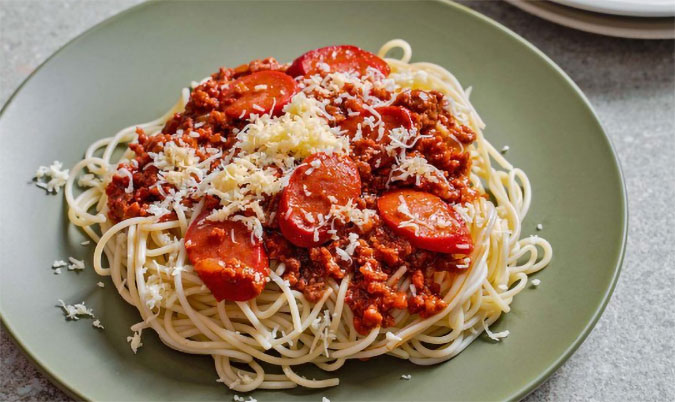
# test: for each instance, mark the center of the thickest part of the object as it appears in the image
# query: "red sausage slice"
(322, 180)
(426, 221)
(225, 260)
(343, 59)
(392, 117)
(260, 93)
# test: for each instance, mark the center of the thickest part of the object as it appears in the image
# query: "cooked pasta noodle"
(147, 262)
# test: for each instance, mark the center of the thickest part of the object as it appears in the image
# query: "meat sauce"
(378, 251)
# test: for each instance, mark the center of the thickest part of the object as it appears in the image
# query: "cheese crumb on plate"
(51, 178)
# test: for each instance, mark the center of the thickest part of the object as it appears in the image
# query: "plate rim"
(629, 9)
(593, 22)
(530, 385)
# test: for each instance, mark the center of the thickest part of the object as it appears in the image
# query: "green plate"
(131, 68)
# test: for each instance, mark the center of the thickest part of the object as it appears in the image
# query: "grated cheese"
(391, 337)
(135, 341)
(351, 213)
(100, 284)
(157, 210)
(353, 243)
(88, 180)
(401, 140)
(416, 167)
(155, 291)
(75, 264)
(343, 254)
(130, 187)
(536, 282)
(97, 324)
(300, 132)
(56, 175)
(74, 312)
(406, 377)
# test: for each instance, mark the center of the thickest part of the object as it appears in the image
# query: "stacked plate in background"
(639, 19)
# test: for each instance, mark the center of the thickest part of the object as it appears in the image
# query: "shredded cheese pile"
(53, 177)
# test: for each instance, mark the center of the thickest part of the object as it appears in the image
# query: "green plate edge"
(535, 382)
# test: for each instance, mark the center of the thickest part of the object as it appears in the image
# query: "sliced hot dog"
(426, 221)
(391, 116)
(344, 58)
(227, 262)
(260, 93)
(322, 180)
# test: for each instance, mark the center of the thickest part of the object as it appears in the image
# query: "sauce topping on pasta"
(323, 165)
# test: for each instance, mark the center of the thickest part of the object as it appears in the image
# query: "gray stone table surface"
(631, 83)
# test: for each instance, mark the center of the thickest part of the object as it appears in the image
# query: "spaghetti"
(283, 325)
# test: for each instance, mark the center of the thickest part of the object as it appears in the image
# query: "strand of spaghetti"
(394, 43)
(131, 264)
(308, 320)
(271, 309)
(104, 239)
(189, 311)
(495, 297)
(164, 249)
(200, 347)
(264, 332)
(291, 300)
(245, 386)
(255, 353)
(79, 213)
(331, 382)
(340, 302)
(115, 270)
(358, 346)
(338, 363)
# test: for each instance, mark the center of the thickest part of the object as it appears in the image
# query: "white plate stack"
(640, 19)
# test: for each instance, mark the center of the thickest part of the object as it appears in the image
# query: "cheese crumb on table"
(536, 282)
(100, 284)
(505, 149)
(540, 226)
(406, 377)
